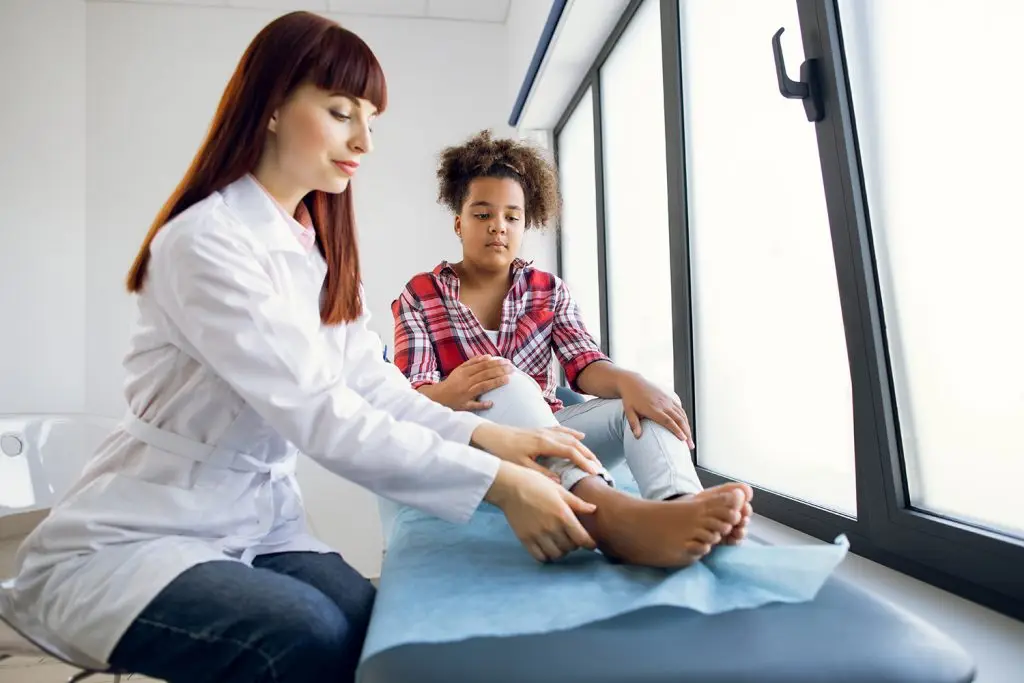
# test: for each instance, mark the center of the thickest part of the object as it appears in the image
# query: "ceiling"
(487, 11)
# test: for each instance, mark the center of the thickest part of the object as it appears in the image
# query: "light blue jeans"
(659, 462)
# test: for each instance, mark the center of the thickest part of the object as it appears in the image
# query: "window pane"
(636, 200)
(773, 397)
(941, 146)
(579, 212)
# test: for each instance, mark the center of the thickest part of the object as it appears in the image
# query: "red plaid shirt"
(435, 333)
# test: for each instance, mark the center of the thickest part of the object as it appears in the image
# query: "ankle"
(594, 489)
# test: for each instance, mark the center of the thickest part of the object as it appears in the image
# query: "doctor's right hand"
(524, 446)
(541, 513)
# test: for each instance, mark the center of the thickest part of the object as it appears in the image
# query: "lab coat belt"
(197, 451)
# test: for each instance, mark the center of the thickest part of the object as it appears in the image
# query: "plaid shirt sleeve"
(574, 345)
(414, 352)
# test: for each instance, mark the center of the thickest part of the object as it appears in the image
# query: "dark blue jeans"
(290, 618)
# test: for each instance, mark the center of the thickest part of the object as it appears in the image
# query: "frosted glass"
(941, 142)
(636, 200)
(579, 212)
(773, 397)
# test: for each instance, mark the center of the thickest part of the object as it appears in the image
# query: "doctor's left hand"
(524, 446)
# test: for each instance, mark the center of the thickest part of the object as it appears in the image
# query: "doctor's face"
(317, 138)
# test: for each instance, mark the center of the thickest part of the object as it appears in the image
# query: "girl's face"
(317, 138)
(491, 224)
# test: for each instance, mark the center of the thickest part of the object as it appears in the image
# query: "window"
(636, 200)
(772, 380)
(578, 227)
(835, 290)
(948, 238)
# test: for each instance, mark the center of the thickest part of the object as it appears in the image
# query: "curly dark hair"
(484, 157)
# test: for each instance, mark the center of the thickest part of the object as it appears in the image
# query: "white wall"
(42, 206)
(154, 75)
(525, 22)
(102, 127)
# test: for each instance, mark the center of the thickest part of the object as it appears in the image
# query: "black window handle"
(808, 88)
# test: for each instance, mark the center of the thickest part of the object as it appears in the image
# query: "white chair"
(55, 448)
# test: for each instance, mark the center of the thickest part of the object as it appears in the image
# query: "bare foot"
(739, 532)
(673, 533)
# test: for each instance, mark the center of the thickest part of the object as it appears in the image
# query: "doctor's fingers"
(533, 547)
(574, 451)
(531, 464)
(573, 438)
(576, 434)
(556, 545)
(576, 534)
(565, 542)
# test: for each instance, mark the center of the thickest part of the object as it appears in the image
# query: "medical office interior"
(829, 280)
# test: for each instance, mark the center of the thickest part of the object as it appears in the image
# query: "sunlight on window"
(773, 396)
(636, 200)
(941, 144)
(578, 227)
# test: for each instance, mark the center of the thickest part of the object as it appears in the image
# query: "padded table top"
(845, 635)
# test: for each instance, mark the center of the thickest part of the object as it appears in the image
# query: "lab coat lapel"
(264, 217)
(259, 213)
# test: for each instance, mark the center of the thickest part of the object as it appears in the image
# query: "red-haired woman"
(182, 552)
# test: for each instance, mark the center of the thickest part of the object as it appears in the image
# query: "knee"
(520, 387)
(322, 642)
(520, 403)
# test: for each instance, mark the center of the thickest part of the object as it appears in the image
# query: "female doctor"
(181, 553)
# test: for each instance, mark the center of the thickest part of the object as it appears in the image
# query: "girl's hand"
(641, 399)
(462, 389)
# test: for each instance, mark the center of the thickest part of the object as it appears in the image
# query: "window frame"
(591, 83)
(978, 564)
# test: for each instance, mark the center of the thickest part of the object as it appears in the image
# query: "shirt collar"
(446, 270)
(301, 224)
(265, 215)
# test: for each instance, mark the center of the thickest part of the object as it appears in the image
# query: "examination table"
(842, 635)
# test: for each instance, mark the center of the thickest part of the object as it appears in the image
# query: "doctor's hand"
(541, 513)
(462, 389)
(523, 447)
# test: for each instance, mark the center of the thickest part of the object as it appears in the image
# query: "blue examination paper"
(444, 582)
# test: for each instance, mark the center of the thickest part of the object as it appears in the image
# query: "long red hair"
(297, 48)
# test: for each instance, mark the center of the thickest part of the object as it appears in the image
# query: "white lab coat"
(230, 374)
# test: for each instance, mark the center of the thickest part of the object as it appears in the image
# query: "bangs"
(341, 62)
